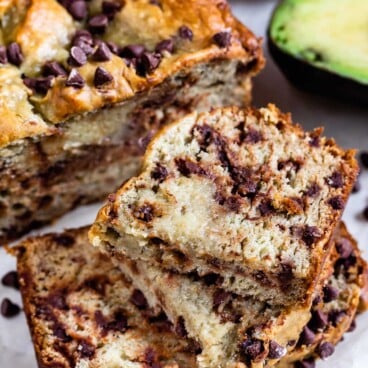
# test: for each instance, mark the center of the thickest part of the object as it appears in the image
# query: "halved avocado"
(322, 46)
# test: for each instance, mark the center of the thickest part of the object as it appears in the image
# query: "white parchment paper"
(348, 124)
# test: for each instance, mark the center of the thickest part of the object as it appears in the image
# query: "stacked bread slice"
(229, 228)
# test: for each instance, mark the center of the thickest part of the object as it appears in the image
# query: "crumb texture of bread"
(83, 313)
(243, 193)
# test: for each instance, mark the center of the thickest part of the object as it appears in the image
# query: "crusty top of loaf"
(242, 187)
(46, 30)
(83, 313)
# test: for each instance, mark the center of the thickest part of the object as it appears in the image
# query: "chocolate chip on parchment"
(325, 349)
(306, 363)
(102, 77)
(222, 39)
(98, 23)
(78, 9)
(39, 85)
(53, 68)
(307, 337)
(337, 203)
(3, 56)
(330, 293)
(365, 213)
(14, 54)
(275, 350)
(9, 309)
(75, 80)
(353, 326)
(77, 56)
(185, 33)
(138, 299)
(165, 45)
(110, 8)
(10, 279)
(102, 53)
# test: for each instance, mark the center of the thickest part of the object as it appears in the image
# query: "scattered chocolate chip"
(98, 23)
(144, 213)
(57, 301)
(102, 77)
(83, 39)
(9, 309)
(53, 68)
(3, 56)
(64, 240)
(159, 173)
(77, 56)
(357, 186)
(252, 348)
(221, 297)
(335, 317)
(75, 80)
(114, 48)
(110, 8)
(180, 329)
(165, 45)
(78, 9)
(325, 349)
(276, 351)
(364, 159)
(337, 203)
(10, 279)
(310, 234)
(365, 213)
(39, 85)
(14, 54)
(313, 190)
(138, 299)
(252, 136)
(222, 39)
(233, 203)
(187, 167)
(86, 350)
(336, 180)
(185, 33)
(132, 51)
(266, 207)
(307, 337)
(344, 248)
(306, 363)
(330, 293)
(102, 53)
(61, 334)
(148, 62)
(318, 321)
(353, 326)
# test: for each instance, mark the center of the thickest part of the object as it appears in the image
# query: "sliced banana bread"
(242, 193)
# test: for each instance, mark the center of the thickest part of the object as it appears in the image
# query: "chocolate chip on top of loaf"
(244, 194)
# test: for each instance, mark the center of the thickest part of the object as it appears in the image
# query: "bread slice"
(243, 332)
(244, 194)
(78, 103)
(82, 312)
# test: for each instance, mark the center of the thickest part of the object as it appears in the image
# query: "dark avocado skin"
(316, 80)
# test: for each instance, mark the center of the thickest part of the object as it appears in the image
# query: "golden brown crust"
(44, 30)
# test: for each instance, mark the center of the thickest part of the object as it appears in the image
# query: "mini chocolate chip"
(132, 51)
(9, 309)
(64, 240)
(86, 350)
(148, 62)
(78, 9)
(318, 321)
(10, 279)
(57, 301)
(344, 248)
(306, 363)
(365, 213)
(220, 297)
(337, 203)
(233, 203)
(325, 349)
(114, 48)
(353, 326)
(138, 299)
(266, 207)
(185, 33)
(39, 85)
(53, 68)
(222, 39)
(159, 173)
(252, 136)
(310, 234)
(330, 293)
(180, 329)
(252, 348)
(364, 159)
(3, 56)
(102, 76)
(336, 180)
(165, 45)
(75, 80)
(77, 56)
(187, 167)
(307, 337)
(110, 8)
(61, 334)
(102, 53)
(276, 351)
(98, 23)
(313, 190)
(144, 213)
(14, 54)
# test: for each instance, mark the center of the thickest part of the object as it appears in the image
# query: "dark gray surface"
(348, 124)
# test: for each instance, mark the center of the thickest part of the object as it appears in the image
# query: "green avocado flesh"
(330, 34)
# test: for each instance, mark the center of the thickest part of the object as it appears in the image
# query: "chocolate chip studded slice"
(9, 309)
(11, 280)
(222, 39)
(14, 54)
(77, 56)
(3, 56)
(75, 80)
(98, 23)
(102, 53)
(102, 77)
(185, 33)
(53, 68)
(78, 9)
